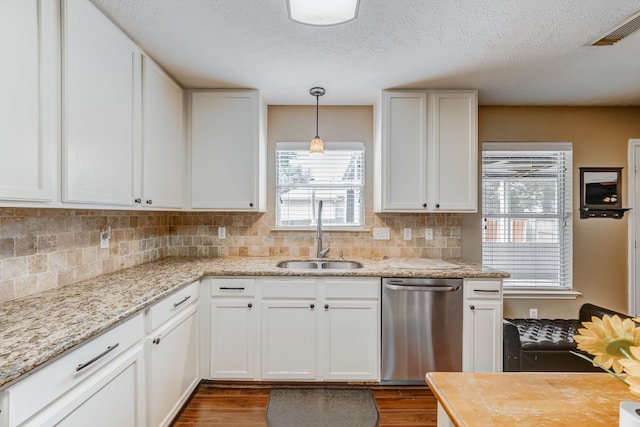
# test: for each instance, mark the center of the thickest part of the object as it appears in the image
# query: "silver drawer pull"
(230, 288)
(490, 291)
(181, 302)
(98, 357)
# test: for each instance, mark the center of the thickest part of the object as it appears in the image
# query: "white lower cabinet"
(482, 329)
(351, 329)
(172, 355)
(289, 329)
(294, 329)
(101, 383)
(112, 398)
(232, 329)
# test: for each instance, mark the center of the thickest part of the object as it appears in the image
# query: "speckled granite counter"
(41, 327)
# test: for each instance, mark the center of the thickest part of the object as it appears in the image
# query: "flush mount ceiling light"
(323, 12)
(316, 146)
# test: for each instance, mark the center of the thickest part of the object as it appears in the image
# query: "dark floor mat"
(326, 407)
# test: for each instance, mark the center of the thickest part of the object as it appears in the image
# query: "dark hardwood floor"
(226, 404)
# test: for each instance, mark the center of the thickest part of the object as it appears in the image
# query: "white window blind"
(303, 179)
(526, 209)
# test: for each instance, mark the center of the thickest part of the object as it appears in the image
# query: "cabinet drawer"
(33, 393)
(171, 305)
(289, 288)
(483, 289)
(352, 288)
(233, 287)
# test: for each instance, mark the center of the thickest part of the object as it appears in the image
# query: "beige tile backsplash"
(41, 249)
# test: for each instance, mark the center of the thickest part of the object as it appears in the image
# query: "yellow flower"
(632, 367)
(608, 339)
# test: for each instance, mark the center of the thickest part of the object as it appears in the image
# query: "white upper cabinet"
(29, 87)
(101, 107)
(162, 138)
(404, 151)
(428, 152)
(453, 129)
(227, 151)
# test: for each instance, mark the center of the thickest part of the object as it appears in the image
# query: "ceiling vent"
(621, 31)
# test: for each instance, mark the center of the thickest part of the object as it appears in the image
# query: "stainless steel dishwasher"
(421, 328)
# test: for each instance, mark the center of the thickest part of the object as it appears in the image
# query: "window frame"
(564, 289)
(328, 146)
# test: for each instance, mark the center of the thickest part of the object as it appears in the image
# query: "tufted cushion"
(547, 334)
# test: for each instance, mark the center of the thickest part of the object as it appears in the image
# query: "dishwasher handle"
(419, 288)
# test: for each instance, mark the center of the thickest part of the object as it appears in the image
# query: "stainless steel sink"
(320, 265)
(340, 265)
(298, 264)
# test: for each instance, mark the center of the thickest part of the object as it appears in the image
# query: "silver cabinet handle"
(488, 291)
(182, 302)
(156, 340)
(98, 357)
(472, 307)
(231, 288)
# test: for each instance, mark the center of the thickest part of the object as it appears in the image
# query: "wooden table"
(528, 399)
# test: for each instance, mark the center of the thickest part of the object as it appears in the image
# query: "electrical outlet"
(533, 313)
(105, 235)
(222, 233)
(381, 234)
(428, 233)
(407, 233)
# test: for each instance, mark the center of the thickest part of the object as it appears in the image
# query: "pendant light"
(316, 146)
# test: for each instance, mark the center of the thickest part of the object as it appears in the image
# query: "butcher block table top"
(529, 399)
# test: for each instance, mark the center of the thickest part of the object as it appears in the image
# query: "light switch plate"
(222, 233)
(428, 233)
(407, 233)
(104, 240)
(381, 234)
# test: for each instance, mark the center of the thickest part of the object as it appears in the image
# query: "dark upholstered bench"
(544, 344)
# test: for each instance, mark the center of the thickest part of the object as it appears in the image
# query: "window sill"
(540, 294)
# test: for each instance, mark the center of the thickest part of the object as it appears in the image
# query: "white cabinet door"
(113, 398)
(454, 132)
(289, 339)
(226, 151)
(482, 326)
(28, 109)
(162, 138)
(404, 151)
(101, 98)
(173, 370)
(428, 152)
(351, 340)
(233, 347)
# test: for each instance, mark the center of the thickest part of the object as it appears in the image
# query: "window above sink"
(303, 179)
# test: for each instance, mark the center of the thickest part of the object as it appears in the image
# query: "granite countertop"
(39, 328)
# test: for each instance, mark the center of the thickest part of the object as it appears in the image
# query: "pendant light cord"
(317, 104)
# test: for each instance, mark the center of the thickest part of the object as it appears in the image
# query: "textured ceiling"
(514, 52)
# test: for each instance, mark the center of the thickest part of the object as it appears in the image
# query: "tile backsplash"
(41, 249)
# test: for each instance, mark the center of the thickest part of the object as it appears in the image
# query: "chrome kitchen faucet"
(321, 252)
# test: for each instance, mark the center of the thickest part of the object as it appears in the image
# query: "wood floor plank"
(217, 405)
